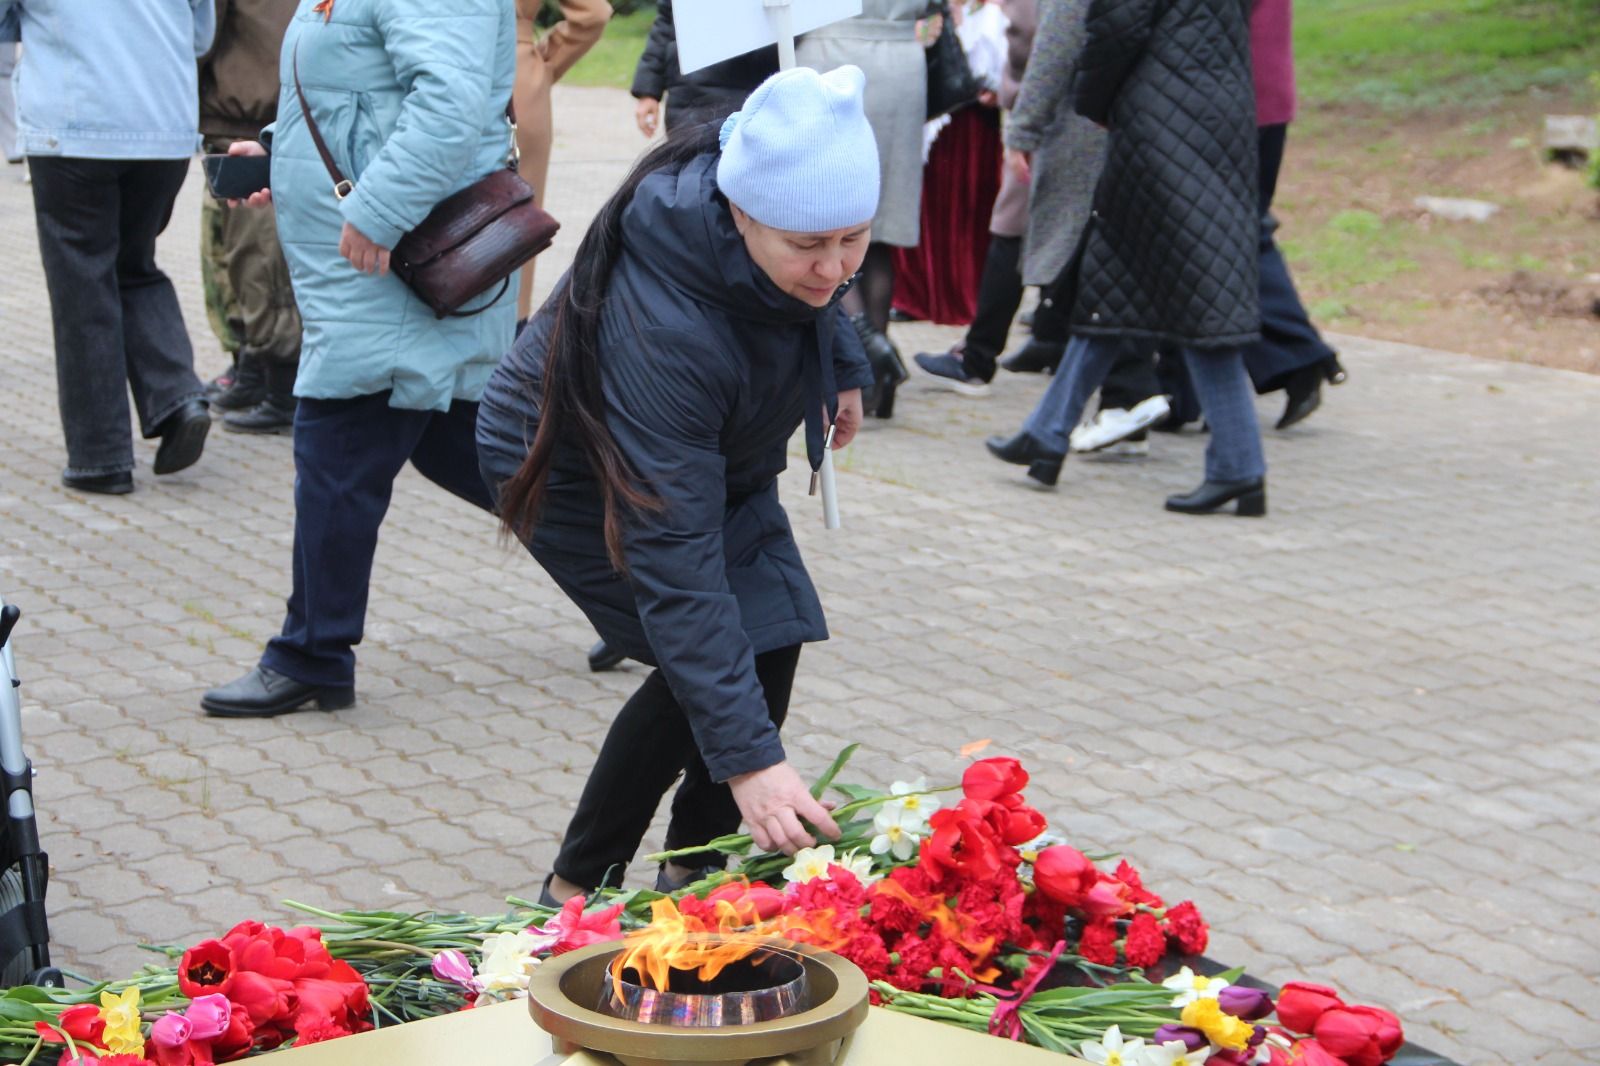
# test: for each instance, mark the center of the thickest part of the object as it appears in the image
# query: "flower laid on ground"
(967, 912)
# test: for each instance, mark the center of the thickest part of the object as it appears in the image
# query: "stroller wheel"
(22, 968)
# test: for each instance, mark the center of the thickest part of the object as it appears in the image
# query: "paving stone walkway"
(1360, 733)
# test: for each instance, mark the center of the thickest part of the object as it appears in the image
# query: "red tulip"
(206, 968)
(1065, 875)
(1300, 1005)
(963, 842)
(1361, 1036)
(1108, 898)
(82, 1023)
(237, 1038)
(990, 779)
(767, 901)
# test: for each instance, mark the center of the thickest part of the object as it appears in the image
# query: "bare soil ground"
(1523, 286)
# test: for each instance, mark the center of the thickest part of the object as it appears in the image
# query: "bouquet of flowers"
(960, 909)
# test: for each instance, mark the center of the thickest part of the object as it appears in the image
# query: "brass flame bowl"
(564, 990)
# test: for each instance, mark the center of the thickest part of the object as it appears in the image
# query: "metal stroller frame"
(24, 868)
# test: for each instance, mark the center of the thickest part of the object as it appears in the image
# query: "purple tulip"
(1247, 1004)
(1193, 1039)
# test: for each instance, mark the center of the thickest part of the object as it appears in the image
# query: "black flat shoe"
(264, 693)
(1252, 497)
(1044, 466)
(118, 484)
(1035, 357)
(183, 437)
(1304, 392)
(603, 657)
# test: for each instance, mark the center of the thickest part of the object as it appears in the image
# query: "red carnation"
(1146, 943)
(1099, 943)
(1300, 1004)
(990, 779)
(1361, 1036)
(1186, 926)
(1136, 890)
(1064, 875)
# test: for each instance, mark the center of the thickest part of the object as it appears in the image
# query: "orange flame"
(689, 943)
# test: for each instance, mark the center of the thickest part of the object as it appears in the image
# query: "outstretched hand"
(772, 803)
(848, 420)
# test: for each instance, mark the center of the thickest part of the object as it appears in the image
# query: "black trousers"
(347, 454)
(115, 314)
(1289, 342)
(648, 746)
(1132, 379)
(999, 296)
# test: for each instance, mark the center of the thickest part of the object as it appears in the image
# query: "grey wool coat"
(707, 370)
(1068, 150)
(882, 41)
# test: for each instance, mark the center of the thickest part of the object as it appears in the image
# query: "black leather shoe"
(118, 484)
(183, 437)
(1304, 391)
(668, 884)
(246, 387)
(603, 657)
(1212, 495)
(1035, 357)
(274, 415)
(888, 369)
(1044, 466)
(264, 693)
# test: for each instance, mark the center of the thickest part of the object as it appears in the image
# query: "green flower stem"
(740, 843)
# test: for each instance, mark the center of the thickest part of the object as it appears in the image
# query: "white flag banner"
(710, 31)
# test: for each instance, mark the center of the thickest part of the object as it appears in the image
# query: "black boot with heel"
(1214, 495)
(888, 369)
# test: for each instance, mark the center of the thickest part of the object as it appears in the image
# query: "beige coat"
(540, 64)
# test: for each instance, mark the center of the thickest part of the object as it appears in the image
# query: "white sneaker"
(1114, 424)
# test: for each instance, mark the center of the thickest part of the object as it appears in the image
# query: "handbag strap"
(343, 186)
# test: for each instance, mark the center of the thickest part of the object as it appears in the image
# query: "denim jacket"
(109, 80)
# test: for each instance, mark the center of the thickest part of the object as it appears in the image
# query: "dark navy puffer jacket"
(1171, 251)
(703, 363)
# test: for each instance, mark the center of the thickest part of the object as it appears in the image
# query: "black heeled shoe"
(603, 657)
(1035, 357)
(1304, 392)
(888, 369)
(1044, 466)
(1334, 371)
(1212, 495)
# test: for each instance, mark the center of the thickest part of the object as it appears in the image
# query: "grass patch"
(1353, 252)
(1400, 54)
(611, 61)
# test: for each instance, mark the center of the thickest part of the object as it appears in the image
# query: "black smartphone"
(234, 177)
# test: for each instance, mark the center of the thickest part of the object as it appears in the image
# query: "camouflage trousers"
(249, 298)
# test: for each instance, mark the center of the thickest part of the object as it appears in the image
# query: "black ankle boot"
(1304, 392)
(275, 412)
(249, 386)
(1035, 357)
(1044, 466)
(888, 369)
(1212, 495)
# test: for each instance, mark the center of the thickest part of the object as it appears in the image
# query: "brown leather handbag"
(471, 240)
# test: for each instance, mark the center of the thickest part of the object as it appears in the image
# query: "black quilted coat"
(1171, 250)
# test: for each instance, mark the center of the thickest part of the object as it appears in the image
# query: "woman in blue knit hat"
(634, 437)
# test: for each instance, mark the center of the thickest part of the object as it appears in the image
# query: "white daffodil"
(1189, 986)
(810, 864)
(899, 831)
(508, 962)
(858, 864)
(904, 792)
(1112, 1050)
(1172, 1053)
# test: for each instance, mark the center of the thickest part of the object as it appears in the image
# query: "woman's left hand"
(849, 418)
(364, 254)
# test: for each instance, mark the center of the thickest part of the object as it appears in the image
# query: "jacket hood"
(680, 228)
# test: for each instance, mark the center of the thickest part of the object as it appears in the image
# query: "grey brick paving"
(1361, 733)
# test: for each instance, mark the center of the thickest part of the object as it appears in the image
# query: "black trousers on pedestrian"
(999, 296)
(649, 745)
(347, 454)
(1289, 342)
(1132, 379)
(115, 314)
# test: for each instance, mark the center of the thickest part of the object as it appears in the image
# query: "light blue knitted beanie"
(800, 154)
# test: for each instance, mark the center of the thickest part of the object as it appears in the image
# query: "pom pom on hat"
(800, 154)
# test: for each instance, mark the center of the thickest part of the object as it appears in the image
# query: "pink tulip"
(452, 966)
(171, 1030)
(208, 1017)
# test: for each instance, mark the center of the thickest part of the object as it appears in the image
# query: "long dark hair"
(572, 407)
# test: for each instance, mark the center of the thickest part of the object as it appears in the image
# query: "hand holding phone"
(238, 175)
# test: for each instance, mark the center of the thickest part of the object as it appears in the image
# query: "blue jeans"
(347, 454)
(1234, 451)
